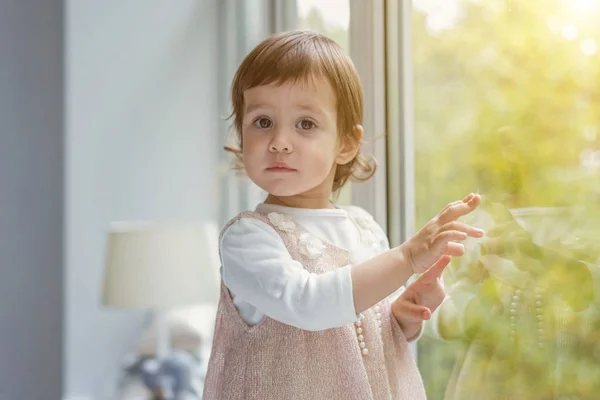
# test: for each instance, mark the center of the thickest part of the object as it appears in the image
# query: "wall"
(142, 128)
(31, 199)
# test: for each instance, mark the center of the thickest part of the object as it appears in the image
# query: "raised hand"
(440, 235)
(421, 298)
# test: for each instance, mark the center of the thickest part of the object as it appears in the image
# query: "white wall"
(142, 133)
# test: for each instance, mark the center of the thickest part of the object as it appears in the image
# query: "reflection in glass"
(506, 95)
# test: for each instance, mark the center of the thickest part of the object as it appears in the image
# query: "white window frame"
(367, 50)
(385, 69)
(380, 46)
(400, 120)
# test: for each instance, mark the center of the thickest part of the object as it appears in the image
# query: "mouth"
(280, 167)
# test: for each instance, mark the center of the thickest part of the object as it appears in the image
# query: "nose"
(280, 143)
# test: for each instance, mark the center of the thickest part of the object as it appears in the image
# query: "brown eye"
(263, 123)
(305, 124)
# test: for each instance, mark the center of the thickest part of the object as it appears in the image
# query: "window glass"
(506, 100)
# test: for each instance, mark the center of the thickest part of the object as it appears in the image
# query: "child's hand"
(420, 299)
(438, 237)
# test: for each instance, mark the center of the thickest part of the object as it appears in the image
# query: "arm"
(259, 270)
(262, 272)
(415, 305)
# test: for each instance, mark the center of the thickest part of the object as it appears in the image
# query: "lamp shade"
(160, 265)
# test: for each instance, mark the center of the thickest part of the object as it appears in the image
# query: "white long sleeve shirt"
(265, 281)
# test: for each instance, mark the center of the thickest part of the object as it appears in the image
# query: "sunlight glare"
(570, 31)
(588, 47)
(554, 24)
(581, 6)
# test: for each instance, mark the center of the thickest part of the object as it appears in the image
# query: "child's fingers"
(455, 249)
(446, 237)
(465, 200)
(455, 203)
(428, 277)
(434, 272)
(412, 311)
(462, 227)
(454, 211)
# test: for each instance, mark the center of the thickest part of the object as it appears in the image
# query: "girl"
(303, 312)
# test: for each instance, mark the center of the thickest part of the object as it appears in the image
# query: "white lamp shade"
(160, 265)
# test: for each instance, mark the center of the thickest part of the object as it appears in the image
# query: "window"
(505, 99)
(330, 18)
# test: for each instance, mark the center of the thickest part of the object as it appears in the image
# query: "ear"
(350, 146)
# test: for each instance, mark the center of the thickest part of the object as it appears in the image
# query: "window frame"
(380, 46)
(367, 50)
(400, 120)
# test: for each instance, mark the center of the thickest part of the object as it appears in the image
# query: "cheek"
(324, 155)
(249, 153)
(250, 142)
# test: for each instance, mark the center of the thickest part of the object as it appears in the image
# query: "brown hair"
(290, 57)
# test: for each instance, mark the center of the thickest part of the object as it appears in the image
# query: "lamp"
(159, 266)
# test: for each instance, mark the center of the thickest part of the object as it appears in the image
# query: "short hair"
(303, 55)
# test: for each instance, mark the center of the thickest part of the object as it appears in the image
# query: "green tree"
(505, 104)
(501, 105)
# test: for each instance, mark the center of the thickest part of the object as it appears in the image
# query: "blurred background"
(114, 111)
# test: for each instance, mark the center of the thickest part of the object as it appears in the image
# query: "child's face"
(290, 140)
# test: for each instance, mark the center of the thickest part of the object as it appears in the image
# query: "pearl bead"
(378, 315)
(518, 291)
(362, 345)
(538, 303)
(365, 352)
(358, 323)
(513, 311)
(515, 297)
(513, 317)
(359, 330)
(377, 308)
(539, 317)
(513, 304)
(361, 338)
